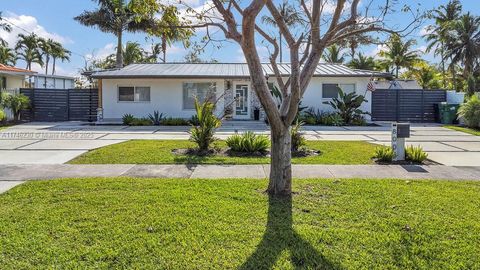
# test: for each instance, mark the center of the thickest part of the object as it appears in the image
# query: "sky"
(54, 19)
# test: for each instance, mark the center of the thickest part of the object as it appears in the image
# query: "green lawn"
(127, 223)
(160, 152)
(472, 131)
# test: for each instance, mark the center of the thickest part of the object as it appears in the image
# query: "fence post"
(397, 113)
(68, 104)
(423, 106)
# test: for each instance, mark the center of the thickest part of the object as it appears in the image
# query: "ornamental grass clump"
(416, 154)
(384, 154)
(248, 142)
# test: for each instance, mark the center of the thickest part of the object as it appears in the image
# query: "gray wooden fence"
(406, 105)
(52, 105)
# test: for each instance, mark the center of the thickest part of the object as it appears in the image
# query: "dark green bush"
(16, 103)
(171, 121)
(248, 142)
(141, 122)
(470, 112)
(384, 154)
(127, 119)
(416, 154)
(3, 116)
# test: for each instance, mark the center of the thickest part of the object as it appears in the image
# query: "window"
(133, 94)
(201, 91)
(330, 90)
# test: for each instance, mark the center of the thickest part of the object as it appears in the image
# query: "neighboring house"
(170, 88)
(12, 78)
(53, 82)
(397, 84)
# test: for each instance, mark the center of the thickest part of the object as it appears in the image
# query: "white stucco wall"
(166, 96)
(14, 82)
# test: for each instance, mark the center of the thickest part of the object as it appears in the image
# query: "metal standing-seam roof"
(223, 70)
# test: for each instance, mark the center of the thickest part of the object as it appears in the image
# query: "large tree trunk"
(119, 50)
(281, 163)
(47, 60)
(164, 48)
(53, 65)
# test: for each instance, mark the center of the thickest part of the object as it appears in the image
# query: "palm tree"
(28, 49)
(334, 54)
(439, 35)
(5, 27)
(169, 33)
(60, 53)
(156, 50)
(7, 56)
(465, 46)
(291, 17)
(133, 53)
(116, 17)
(46, 47)
(399, 54)
(362, 62)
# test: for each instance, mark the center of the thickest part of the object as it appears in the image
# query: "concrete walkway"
(12, 175)
(57, 143)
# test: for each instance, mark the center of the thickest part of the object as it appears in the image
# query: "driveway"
(57, 143)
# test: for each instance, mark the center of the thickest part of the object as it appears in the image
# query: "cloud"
(374, 52)
(20, 23)
(263, 53)
(102, 53)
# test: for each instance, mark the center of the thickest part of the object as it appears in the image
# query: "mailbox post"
(400, 131)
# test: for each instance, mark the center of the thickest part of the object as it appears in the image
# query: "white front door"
(242, 101)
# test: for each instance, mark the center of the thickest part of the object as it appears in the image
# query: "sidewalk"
(11, 175)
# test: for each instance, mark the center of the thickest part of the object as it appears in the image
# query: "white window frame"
(338, 84)
(134, 90)
(196, 82)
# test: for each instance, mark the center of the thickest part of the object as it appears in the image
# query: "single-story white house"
(170, 88)
(53, 81)
(13, 78)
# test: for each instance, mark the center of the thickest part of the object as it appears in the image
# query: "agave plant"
(156, 118)
(347, 105)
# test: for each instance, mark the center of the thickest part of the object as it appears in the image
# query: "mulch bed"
(225, 152)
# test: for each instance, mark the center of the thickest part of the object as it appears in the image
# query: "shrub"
(385, 154)
(470, 112)
(3, 116)
(141, 122)
(127, 119)
(248, 142)
(298, 140)
(156, 118)
(203, 134)
(358, 120)
(347, 105)
(16, 103)
(170, 121)
(415, 154)
(331, 119)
